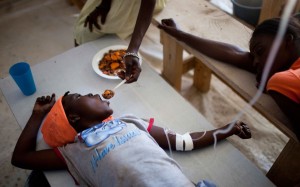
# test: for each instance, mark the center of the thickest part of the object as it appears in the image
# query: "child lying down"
(101, 151)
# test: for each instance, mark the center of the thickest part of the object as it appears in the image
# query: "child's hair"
(271, 27)
(67, 93)
(66, 107)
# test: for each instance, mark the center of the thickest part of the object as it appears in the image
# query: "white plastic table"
(151, 96)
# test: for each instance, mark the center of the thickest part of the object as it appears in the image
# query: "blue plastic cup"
(21, 73)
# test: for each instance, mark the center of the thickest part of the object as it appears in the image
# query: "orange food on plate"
(112, 62)
(114, 65)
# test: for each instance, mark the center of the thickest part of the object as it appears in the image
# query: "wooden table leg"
(286, 169)
(172, 60)
(202, 76)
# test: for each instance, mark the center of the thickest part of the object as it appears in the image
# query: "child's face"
(260, 47)
(89, 107)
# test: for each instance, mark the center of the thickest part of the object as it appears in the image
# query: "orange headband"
(56, 129)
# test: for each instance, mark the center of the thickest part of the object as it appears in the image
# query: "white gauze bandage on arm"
(179, 142)
(187, 139)
(189, 144)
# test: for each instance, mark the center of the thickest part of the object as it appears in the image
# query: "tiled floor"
(35, 30)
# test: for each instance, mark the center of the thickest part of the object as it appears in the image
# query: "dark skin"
(100, 11)
(25, 155)
(133, 67)
(253, 61)
(84, 112)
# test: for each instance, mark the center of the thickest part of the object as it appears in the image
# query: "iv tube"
(278, 39)
(167, 136)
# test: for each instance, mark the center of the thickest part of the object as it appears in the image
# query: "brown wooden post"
(172, 60)
(202, 76)
(274, 8)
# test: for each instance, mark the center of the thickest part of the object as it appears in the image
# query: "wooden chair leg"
(202, 76)
(172, 61)
(70, 2)
(78, 3)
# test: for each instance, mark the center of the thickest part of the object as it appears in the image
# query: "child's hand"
(243, 130)
(44, 104)
(169, 26)
(169, 22)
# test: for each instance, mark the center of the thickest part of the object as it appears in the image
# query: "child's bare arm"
(199, 139)
(217, 50)
(25, 154)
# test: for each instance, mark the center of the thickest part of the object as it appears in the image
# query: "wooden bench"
(203, 19)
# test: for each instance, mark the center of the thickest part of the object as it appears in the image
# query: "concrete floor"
(29, 32)
(33, 31)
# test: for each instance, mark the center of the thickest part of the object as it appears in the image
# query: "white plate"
(98, 56)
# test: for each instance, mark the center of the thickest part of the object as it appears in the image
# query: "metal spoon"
(123, 81)
(108, 94)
